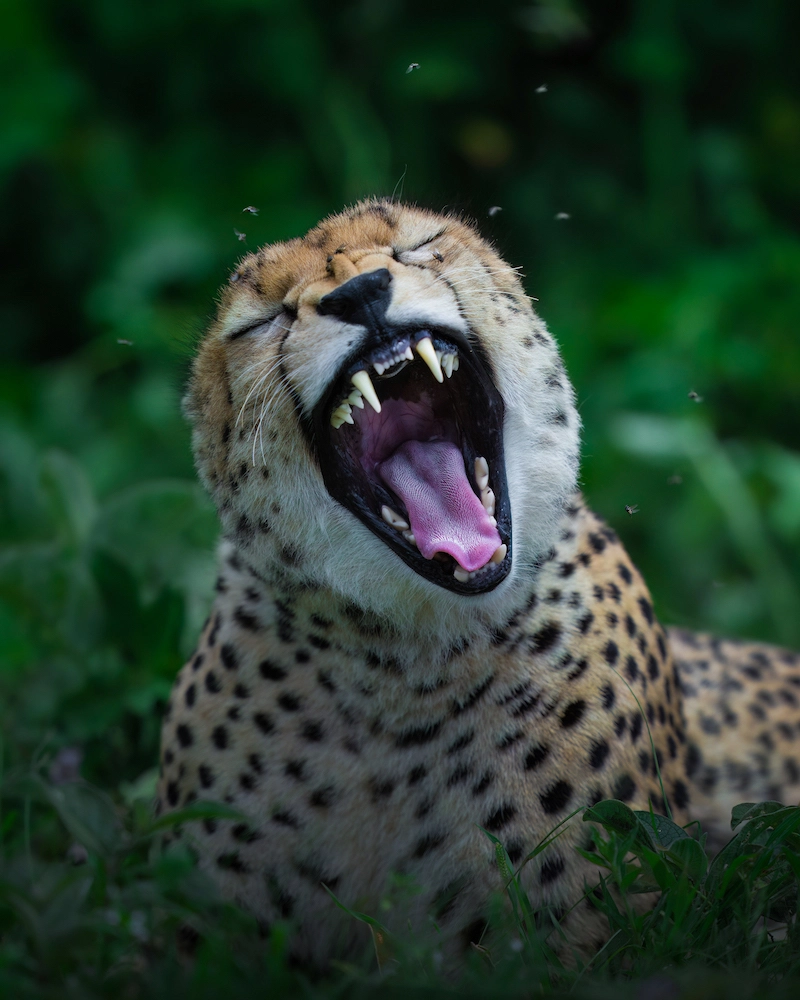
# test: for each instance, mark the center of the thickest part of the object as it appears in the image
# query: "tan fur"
(367, 721)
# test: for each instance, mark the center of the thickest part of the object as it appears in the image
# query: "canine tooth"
(409, 537)
(409, 354)
(393, 518)
(487, 499)
(447, 364)
(455, 364)
(499, 554)
(363, 383)
(481, 473)
(428, 355)
(461, 574)
(356, 399)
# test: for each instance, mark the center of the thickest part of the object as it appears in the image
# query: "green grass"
(92, 904)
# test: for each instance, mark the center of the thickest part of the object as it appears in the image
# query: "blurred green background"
(646, 158)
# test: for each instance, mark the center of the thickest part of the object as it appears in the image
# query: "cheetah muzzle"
(409, 437)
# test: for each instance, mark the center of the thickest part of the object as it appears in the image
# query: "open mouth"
(409, 439)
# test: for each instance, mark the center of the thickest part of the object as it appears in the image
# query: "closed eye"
(281, 321)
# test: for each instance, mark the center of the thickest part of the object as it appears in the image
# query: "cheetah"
(421, 633)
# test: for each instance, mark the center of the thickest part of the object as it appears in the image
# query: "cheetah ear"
(208, 406)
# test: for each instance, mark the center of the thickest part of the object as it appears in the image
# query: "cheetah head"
(377, 410)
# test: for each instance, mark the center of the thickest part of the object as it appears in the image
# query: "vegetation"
(646, 159)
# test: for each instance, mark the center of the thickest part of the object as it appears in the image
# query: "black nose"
(363, 299)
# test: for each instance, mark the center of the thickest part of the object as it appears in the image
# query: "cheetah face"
(376, 408)
(409, 437)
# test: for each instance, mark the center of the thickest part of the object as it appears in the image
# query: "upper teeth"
(363, 383)
(364, 389)
(426, 351)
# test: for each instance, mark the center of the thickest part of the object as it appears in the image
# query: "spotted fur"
(368, 722)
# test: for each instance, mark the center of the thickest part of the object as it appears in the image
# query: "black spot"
(612, 619)
(647, 610)
(597, 542)
(566, 569)
(636, 726)
(295, 769)
(285, 818)
(318, 642)
(644, 761)
(212, 635)
(584, 622)
(500, 817)
(631, 668)
(417, 774)
(416, 737)
(573, 713)
(427, 844)
(197, 662)
(264, 723)
(535, 756)
(172, 793)
(244, 834)
(551, 868)
(542, 640)
(624, 788)
(219, 737)
(322, 798)
(693, 759)
(190, 695)
(514, 849)
(241, 691)
(247, 781)
(580, 667)
(213, 684)
(380, 789)
(231, 861)
(680, 794)
(619, 725)
(609, 697)
(598, 754)
(184, 735)
(206, 776)
(289, 702)
(556, 797)
(313, 731)
(460, 774)
(209, 825)
(246, 620)
(463, 741)
(228, 656)
(509, 739)
(652, 667)
(611, 653)
(302, 656)
(271, 671)
(325, 681)
(614, 592)
(254, 760)
(483, 783)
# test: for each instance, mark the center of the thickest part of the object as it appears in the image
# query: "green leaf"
(691, 858)
(662, 829)
(88, 814)
(613, 815)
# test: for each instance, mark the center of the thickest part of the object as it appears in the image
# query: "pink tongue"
(445, 514)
